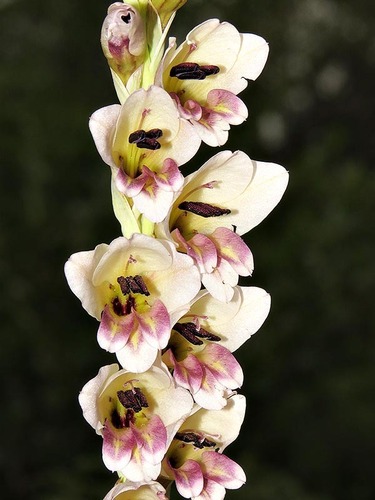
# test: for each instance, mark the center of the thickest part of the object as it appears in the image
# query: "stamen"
(204, 334)
(133, 399)
(137, 136)
(152, 144)
(193, 71)
(203, 209)
(146, 140)
(198, 440)
(210, 70)
(189, 332)
(133, 284)
(154, 133)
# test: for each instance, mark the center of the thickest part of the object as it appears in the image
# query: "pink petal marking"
(200, 248)
(188, 373)
(234, 250)
(170, 177)
(128, 186)
(117, 446)
(137, 355)
(114, 331)
(227, 105)
(221, 469)
(154, 325)
(152, 440)
(222, 364)
(189, 479)
(211, 490)
(191, 110)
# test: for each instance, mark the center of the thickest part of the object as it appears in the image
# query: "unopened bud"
(166, 8)
(123, 39)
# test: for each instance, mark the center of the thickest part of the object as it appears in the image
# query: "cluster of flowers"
(170, 410)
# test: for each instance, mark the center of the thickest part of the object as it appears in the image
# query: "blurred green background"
(310, 373)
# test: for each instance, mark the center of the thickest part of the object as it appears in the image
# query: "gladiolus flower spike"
(165, 292)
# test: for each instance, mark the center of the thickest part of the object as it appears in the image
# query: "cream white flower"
(137, 288)
(199, 351)
(206, 72)
(137, 415)
(229, 195)
(144, 141)
(195, 460)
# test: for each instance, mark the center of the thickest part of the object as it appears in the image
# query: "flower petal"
(114, 331)
(223, 365)
(189, 479)
(234, 250)
(88, 397)
(221, 469)
(102, 124)
(151, 440)
(117, 447)
(79, 271)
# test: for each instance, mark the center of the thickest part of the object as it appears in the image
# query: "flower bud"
(123, 39)
(167, 8)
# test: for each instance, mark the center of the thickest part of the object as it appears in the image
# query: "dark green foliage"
(310, 372)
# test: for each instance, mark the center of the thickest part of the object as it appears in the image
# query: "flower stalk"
(165, 293)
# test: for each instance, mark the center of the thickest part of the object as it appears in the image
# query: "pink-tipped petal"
(117, 447)
(114, 331)
(170, 177)
(223, 365)
(211, 490)
(227, 105)
(189, 479)
(129, 186)
(151, 440)
(155, 325)
(137, 356)
(189, 373)
(234, 250)
(222, 470)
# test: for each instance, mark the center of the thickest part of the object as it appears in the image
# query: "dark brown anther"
(204, 334)
(146, 140)
(133, 399)
(154, 133)
(210, 70)
(193, 71)
(152, 144)
(139, 286)
(137, 136)
(203, 209)
(193, 75)
(189, 332)
(124, 285)
(186, 67)
(133, 284)
(195, 439)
